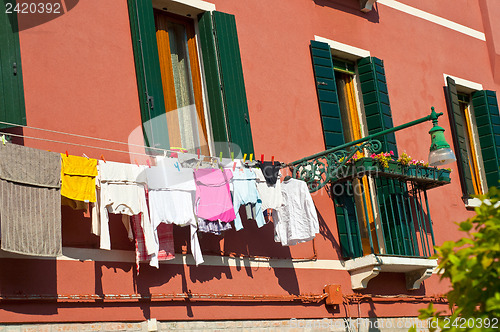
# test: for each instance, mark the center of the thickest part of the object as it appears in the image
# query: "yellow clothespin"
(244, 157)
(3, 139)
(251, 156)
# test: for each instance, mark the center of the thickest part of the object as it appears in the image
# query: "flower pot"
(410, 171)
(364, 165)
(443, 175)
(394, 168)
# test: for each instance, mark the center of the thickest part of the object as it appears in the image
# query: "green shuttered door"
(459, 138)
(488, 126)
(347, 223)
(225, 83)
(12, 108)
(389, 191)
(147, 66)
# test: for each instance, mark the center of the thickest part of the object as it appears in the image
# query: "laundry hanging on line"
(185, 196)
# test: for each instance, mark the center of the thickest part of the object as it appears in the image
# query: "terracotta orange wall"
(79, 77)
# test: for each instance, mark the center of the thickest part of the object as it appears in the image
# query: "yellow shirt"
(78, 178)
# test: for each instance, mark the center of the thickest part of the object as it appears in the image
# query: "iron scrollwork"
(318, 172)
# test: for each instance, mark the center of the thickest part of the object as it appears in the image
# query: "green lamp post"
(440, 151)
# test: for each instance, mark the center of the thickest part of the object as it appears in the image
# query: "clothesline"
(83, 136)
(75, 144)
(201, 157)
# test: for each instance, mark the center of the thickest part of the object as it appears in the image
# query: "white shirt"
(121, 190)
(297, 218)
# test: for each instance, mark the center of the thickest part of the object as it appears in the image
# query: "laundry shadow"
(253, 241)
(17, 131)
(352, 7)
(327, 234)
(32, 13)
(28, 278)
(77, 229)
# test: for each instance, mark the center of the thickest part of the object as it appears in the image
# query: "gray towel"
(30, 201)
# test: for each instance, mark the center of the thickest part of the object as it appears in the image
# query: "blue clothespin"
(177, 166)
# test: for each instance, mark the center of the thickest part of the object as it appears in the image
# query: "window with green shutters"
(475, 128)
(12, 110)
(329, 73)
(222, 78)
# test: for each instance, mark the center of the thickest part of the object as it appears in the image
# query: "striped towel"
(30, 201)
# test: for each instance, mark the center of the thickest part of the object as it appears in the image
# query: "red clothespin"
(261, 158)
(102, 157)
(136, 162)
(149, 164)
(272, 160)
(198, 151)
(67, 153)
(234, 166)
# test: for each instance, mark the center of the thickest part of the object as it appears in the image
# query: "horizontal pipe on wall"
(307, 298)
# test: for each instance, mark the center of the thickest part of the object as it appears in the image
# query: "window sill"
(476, 202)
(363, 269)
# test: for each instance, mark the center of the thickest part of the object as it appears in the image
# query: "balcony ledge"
(363, 269)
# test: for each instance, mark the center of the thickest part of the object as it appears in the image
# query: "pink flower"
(391, 152)
(373, 155)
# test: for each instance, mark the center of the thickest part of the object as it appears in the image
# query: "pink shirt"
(213, 197)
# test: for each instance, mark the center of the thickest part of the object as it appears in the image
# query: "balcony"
(384, 221)
(383, 216)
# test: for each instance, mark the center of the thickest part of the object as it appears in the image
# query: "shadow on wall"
(325, 231)
(32, 13)
(28, 277)
(351, 7)
(17, 131)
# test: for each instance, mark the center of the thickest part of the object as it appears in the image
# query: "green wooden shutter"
(326, 89)
(389, 191)
(147, 67)
(345, 209)
(459, 138)
(488, 126)
(12, 107)
(376, 100)
(225, 83)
